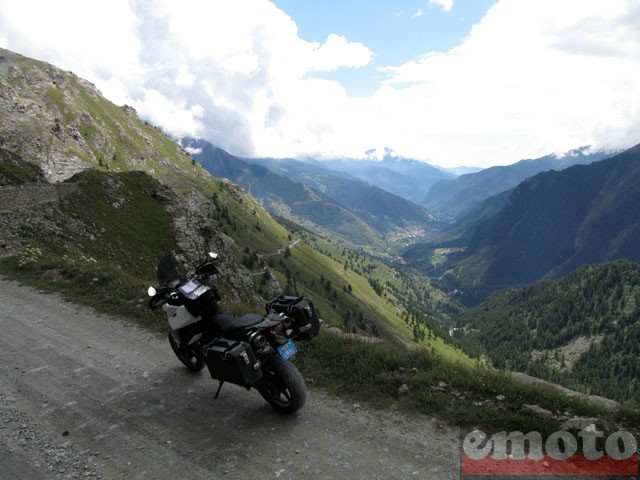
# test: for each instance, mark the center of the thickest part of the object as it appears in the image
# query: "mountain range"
(551, 224)
(371, 186)
(458, 197)
(546, 226)
(404, 177)
(318, 198)
(92, 197)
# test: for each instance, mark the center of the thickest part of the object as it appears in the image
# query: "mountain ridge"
(575, 330)
(58, 131)
(406, 178)
(320, 199)
(458, 197)
(553, 223)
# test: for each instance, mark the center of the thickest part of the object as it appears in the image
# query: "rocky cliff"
(54, 126)
(62, 123)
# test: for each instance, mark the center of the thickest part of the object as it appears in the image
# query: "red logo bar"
(575, 465)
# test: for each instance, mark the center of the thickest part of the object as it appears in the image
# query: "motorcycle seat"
(227, 324)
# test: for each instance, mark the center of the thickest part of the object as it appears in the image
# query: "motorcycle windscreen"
(170, 270)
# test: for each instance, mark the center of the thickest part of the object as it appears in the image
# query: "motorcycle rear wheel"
(186, 356)
(282, 386)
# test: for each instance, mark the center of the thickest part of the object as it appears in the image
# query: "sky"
(450, 82)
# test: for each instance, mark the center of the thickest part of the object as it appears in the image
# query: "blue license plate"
(287, 350)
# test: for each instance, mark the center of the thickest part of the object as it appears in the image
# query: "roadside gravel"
(84, 395)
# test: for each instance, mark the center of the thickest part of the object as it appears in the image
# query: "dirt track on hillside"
(88, 396)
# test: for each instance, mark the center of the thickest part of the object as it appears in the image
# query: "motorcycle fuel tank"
(178, 316)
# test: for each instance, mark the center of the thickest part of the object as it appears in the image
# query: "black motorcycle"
(252, 351)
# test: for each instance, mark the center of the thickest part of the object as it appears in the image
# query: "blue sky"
(449, 82)
(395, 31)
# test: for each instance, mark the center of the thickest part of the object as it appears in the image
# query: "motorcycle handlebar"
(162, 293)
(160, 298)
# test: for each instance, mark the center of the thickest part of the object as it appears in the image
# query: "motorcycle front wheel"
(186, 356)
(282, 386)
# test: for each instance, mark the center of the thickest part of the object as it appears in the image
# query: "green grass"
(13, 171)
(108, 236)
(94, 253)
(374, 373)
(368, 373)
(353, 276)
(132, 235)
(109, 290)
(56, 98)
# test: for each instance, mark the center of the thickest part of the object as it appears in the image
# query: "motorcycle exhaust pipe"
(258, 341)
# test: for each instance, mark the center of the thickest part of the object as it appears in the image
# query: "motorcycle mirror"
(213, 255)
(151, 292)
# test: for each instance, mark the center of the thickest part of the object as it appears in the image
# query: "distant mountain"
(553, 223)
(282, 196)
(312, 172)
(406, 178)
(354, 210)
(461, 170)
(457, 197)
(580, 330)
(91, 197)
(382, 210)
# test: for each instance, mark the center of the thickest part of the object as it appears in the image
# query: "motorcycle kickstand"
(218, 391)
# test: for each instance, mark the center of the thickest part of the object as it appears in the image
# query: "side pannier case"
(301, 310)
(233, 362)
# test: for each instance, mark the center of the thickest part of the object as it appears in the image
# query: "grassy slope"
(360, 371)
(51, 260)
(546, 317)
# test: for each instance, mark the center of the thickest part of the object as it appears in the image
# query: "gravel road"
(84, 395)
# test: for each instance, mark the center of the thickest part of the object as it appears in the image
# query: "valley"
(547, 225)
(380, 255)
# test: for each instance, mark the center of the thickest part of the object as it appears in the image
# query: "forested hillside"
(324, 201)
(552, 224)
(582, 330)
(458, 197)
(94, 197)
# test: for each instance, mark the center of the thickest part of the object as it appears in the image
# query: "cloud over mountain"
(532, 77)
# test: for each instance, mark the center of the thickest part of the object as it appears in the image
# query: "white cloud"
(534, 76)
(338, 52)
(172, 115)
(520, 84)
(184, 78)
(96, 40)
(446, 5)
(193, 151)
(418, 13)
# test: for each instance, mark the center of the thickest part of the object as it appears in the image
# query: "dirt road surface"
(88, 396)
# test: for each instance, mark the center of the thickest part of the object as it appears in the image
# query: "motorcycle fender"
(179, 317)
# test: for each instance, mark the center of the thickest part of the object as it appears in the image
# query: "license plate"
(287, 350)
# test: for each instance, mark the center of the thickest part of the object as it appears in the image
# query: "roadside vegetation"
(100, 242)
(580, 331)
(88, 250)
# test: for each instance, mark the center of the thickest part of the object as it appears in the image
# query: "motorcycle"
(253, 351)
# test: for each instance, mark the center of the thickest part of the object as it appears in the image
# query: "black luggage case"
(301, 310)
(233, 362)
